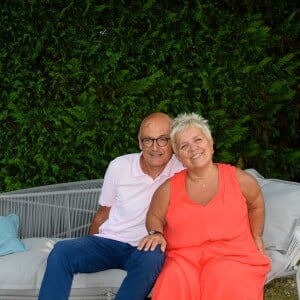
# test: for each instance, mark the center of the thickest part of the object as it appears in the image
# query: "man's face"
(154, 141)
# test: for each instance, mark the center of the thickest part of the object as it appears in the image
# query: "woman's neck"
(203, 175)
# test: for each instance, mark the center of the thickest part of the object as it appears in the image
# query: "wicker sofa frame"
(57, 212)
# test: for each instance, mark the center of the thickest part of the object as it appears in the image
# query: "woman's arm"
(256, 207)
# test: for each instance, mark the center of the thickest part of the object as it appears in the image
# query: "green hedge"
(77, 77)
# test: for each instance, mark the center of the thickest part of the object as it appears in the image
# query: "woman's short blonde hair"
(187, 120)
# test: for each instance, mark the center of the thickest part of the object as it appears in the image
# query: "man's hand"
(150, 242)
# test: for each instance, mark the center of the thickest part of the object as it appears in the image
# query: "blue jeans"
(93, 254)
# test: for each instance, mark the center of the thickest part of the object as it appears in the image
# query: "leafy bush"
(77, 77)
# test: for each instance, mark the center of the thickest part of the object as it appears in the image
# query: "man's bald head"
(156, 119)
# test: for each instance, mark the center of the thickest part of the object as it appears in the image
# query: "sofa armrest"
(293, 251)
(58, 210)
(298, 281)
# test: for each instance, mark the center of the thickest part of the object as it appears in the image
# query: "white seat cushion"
(22, 272)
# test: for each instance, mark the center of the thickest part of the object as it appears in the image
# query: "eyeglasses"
(160, 141)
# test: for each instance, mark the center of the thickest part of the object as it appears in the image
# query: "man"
(119, 224)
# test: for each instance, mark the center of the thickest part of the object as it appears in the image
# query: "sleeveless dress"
(211, 254)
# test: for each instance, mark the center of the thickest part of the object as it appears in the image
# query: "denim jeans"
(93, 254)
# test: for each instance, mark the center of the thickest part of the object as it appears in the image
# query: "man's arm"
(100, 217)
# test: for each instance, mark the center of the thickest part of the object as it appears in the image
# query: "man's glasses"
(160, 141)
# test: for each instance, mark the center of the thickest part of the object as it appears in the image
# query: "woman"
(211, 217)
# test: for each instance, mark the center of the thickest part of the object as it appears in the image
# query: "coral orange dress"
(211, 254)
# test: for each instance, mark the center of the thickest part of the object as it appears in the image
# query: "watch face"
(154, 232)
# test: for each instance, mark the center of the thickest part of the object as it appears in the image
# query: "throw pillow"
(9, 239)
(282, 209)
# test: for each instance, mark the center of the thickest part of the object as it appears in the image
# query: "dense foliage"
(77, 77)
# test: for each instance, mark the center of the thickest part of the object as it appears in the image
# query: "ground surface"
(281, 289)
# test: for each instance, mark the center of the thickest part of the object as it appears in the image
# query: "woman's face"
(193, 148)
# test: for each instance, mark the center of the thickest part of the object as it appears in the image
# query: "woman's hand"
(260, 245)
(150, 242)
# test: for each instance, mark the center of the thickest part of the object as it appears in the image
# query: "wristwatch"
(151, 232)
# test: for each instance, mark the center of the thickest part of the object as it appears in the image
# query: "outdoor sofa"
(50, 213)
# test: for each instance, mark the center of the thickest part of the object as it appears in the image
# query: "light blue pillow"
(9, 239)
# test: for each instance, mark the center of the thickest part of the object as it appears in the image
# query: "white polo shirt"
(128, 191)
